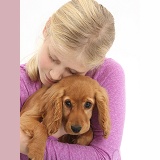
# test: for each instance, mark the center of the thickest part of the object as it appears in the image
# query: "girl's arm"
(27, 87)
(112, 78)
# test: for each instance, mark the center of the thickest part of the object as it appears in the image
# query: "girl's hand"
(24, 139)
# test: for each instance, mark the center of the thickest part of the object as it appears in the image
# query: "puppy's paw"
(85, 139)
(35, 152)
(33, 156)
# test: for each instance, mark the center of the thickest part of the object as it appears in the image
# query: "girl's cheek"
(42, 59)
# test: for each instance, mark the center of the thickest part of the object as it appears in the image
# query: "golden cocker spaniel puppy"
(69, 102)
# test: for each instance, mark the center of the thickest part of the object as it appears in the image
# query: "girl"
(76, 40)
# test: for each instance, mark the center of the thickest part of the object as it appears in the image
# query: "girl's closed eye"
(72, 71)
(53, 59)
(50, 57)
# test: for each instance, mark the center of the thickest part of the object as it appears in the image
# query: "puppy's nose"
(76, 129)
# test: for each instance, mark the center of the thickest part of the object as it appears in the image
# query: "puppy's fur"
(69, 102)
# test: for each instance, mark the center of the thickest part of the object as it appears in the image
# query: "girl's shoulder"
(23, 70)
(24, 78)
(109, 68)
(27, 86)
(23, 74)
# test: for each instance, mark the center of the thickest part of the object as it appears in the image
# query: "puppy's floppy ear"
(52, 116)
(33, 104)
(102, 103)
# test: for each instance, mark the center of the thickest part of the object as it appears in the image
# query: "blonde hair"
(83, 26)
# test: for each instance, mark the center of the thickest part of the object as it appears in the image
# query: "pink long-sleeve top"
(110, 75)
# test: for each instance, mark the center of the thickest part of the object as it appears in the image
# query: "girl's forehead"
(65, 54)
(71, 59)
(61, 49)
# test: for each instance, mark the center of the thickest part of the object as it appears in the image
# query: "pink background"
(9, 79)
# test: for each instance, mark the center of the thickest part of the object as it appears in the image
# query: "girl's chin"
(46, 83)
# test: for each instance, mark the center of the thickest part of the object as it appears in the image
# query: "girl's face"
(53, 66)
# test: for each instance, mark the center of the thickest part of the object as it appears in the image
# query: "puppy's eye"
(68, 103)
(88, 105)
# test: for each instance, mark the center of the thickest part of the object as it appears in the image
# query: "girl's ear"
(102, 103)
(46, 28)
(52, 115)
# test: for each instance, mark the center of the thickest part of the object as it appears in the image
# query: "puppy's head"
(72, 100)
(78, 103)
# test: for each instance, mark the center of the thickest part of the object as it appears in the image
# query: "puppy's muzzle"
(76, 128)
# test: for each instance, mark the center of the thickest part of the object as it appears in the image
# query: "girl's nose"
(56, 74)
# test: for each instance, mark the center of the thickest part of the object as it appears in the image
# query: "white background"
(136, 48)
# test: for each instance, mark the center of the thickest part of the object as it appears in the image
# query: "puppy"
(70, 103)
